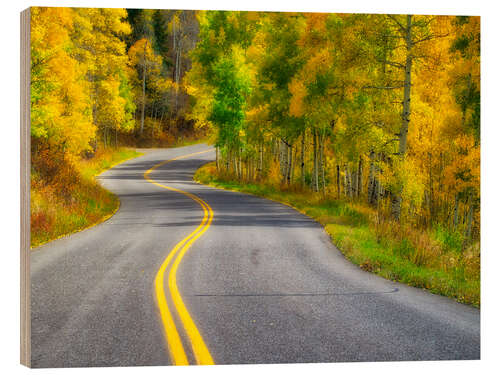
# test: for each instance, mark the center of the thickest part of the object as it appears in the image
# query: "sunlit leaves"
(264, 82)
(60, 109)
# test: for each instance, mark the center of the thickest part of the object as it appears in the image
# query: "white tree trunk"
(403, 133)
(144, 72)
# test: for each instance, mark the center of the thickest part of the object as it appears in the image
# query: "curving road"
(262, 284)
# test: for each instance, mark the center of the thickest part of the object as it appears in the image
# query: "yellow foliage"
(60, 109)
(299, 92)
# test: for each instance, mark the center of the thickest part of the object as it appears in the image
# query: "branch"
(392, 63)
(279, 137)
(429, 37)
(383, 87)
(285, 142)
(401, 27)
(425, 23)
(40, 61)
(389, 141)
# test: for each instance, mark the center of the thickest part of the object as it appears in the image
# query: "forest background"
(369, 123)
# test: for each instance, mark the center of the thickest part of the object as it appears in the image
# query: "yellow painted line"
(175, 346)
(174, 342)
(200, 350)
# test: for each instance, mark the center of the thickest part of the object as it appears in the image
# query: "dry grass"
(71, 199)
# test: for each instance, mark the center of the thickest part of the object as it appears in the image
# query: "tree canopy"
(380, 109)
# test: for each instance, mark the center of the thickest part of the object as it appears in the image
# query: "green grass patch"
(450, 240)
(433, 259)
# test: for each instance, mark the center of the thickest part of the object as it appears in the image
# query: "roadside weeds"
(76, 201)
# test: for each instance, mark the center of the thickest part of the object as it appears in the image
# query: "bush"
(449, 240)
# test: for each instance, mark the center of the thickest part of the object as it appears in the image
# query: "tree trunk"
(153, 108)
(322, 163)
(283, 164)
(338, 181)
(247, 163)
(284, 160)
(354, 182)
(240, 175)
(346, 181)
(217, 158)
(174, 40)
(290, 163)
(350, 181)
(261, 160)
(235, 163)
(375, 194)
(396, 201)
(470, 216)
(161, 117)
(144, 71)
(302, 161)
(431, 191)
(177, 76)
(455, 213)
(315, 154)
(380, 190)
(371, 179)
(251, 164)
(360, 177)
(152, 132)
(407, 88)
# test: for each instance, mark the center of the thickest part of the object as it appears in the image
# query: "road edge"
(331, 239)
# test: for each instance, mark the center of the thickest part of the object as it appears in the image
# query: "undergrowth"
(70, 199)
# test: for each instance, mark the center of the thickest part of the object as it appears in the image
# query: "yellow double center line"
(176, 349)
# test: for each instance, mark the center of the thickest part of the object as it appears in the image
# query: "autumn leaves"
(347, 101)
(384, 109)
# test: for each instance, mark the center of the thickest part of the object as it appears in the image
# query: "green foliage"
(125, 91)
(228, 111)
(450, 240)
(466, 83)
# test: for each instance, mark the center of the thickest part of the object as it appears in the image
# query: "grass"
(104, 160)
(433, 259)
(76, 201)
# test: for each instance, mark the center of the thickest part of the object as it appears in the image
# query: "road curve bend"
(260, 282)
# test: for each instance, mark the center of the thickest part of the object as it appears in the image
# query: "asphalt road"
(263, 284)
